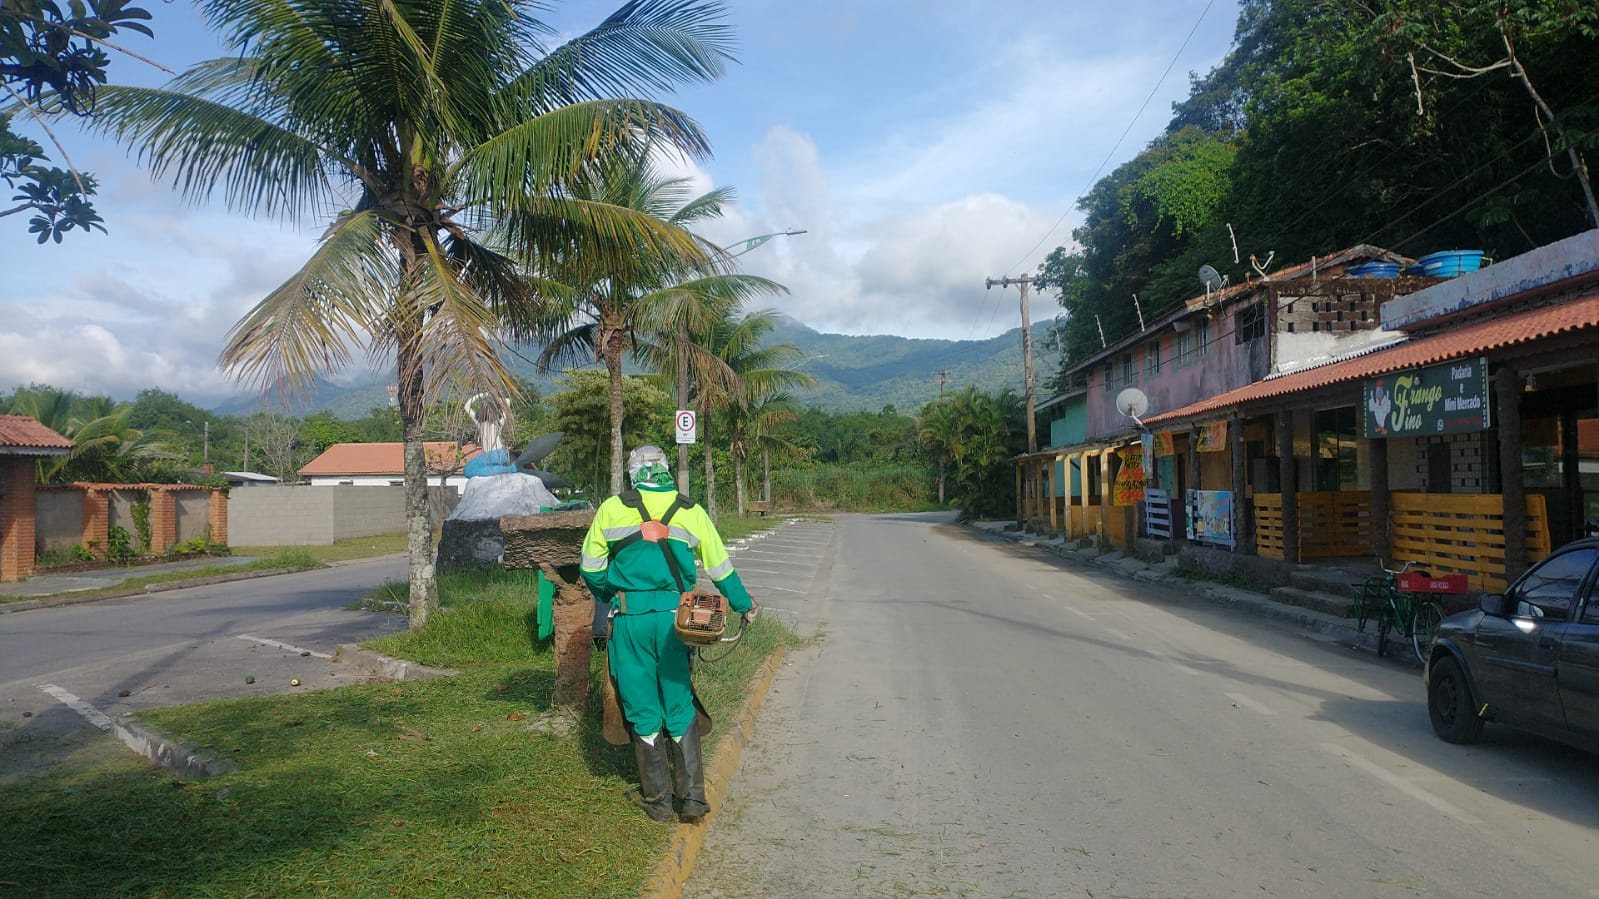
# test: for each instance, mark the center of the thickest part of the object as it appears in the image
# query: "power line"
(1106, 161)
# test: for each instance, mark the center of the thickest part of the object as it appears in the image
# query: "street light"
(755, 242)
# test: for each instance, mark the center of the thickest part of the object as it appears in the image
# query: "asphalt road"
(981, 719)
(61, 667)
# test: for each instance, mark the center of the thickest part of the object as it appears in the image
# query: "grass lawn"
(433, 788)
(340, 550)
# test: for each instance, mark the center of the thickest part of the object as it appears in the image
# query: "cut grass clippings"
(431, 788)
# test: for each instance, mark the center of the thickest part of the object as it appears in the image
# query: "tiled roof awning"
(21, 435)
(1479, 337)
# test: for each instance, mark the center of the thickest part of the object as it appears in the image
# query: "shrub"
(119, 545)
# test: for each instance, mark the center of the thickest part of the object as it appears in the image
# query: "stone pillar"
(163, 520)
(1512, 487)
(16, 518)
(97, 522)
(216, 517)
(1243, 512)
(1290, 485)
(1381, 536)
(552, 542)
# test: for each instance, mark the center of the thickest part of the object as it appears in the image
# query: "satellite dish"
(1211, 278)
(1132, 403)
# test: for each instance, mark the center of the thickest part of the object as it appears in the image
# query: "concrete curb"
(164, 751)
(672, 871)
(69, 599)
(380, 665)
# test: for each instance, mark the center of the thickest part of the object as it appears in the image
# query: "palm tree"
(646, 307)
(765, 415)
(761, 372)
(106, 449)
(452, 145)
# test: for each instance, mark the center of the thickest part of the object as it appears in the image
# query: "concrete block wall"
(57, 518)
(317, 516)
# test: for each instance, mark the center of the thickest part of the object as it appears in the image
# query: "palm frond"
(308, 324)
(645, 47)
(550, 151)
(261, 166)
(458, 345)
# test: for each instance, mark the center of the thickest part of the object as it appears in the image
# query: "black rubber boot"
(654, 795)
(688, 775)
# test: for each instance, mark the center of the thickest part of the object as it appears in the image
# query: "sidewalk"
(1328, 628)
(100, 578)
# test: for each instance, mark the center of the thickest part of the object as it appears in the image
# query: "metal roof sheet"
(1467, 340)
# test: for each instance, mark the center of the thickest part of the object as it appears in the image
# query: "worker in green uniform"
(624, 565)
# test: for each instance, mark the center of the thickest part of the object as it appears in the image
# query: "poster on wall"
(1210, 517)
(1448, 398)
(1164, 445)
(1212, 438)
(1128, 490)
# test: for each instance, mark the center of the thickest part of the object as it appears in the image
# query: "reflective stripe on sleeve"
(595, 563)
(720, 571)
(614, 534)
(685, 535)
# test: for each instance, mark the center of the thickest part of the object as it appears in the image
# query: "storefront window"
(1336, 467)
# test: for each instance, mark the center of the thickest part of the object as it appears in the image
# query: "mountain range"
(853, 373)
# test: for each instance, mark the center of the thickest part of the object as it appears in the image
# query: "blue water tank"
(1450, 263)
(1374, 270)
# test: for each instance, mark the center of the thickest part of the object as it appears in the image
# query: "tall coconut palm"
(450, 142)
(765, 415)
(761, 371)
(644, 307)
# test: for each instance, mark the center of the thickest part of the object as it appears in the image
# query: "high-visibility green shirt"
(640, 569)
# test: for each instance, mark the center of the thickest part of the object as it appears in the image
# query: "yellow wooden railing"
(1269, 525)
(1331, 524)
(1463, 534)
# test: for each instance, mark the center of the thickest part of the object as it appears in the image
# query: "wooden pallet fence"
(1269, 525)
(1334, 524)
(1157, 513)
(1463, 534)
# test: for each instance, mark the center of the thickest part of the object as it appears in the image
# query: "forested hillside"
(852, 372)
(1415, 125)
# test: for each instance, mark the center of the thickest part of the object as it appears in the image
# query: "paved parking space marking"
(1117, 634)
(742, 569)
(90, 713)
(1183, 668)
(1079, 613)
(774, 587)
(290, 648)
(767, 552)
(1251, 704)
(1399, 783)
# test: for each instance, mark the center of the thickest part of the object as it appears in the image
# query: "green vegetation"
(440, 788)
(1414, 125)
(291, 559)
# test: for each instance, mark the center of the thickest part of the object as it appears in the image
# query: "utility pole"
(1024, 283)
(943, 377)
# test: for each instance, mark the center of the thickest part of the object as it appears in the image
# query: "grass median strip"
(431, 788)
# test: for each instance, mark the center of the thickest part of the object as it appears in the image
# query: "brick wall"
(16, 518)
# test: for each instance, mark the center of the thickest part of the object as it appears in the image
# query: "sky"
(922, 145)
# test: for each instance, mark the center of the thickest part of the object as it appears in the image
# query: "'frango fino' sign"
(1449, 398)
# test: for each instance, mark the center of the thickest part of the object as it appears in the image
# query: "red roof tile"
(1478, 337)
(385, 458)
(21, 432)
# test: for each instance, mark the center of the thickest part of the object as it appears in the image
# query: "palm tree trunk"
(766, 477)
(611, 336)
(738, 480)
(710, 465)
(424, 590)
(682, 403)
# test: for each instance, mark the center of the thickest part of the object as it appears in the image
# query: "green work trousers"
(650, 665)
